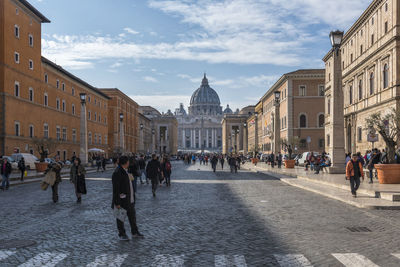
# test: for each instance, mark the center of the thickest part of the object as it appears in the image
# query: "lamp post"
(245, 138)
(121, 131)
(336, 150)
(83, 150)
(141, 138)
(237, 140)
(277, 124)
(256, 133)
(153, 140)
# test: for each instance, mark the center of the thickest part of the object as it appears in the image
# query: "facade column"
(207, 130)
(183, 139)
(277, 129)
(336, 149)
(83, 150)
(191, 138)
(200, 140)
(245, 134)
(213, 138)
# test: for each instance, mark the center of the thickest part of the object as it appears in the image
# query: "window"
(100, 139)
(385, 76)
(372, 39)
(16, 57)
(46, 100)
(58, 132)
(303, 121)
(30, 64)
(31, 131)
(89, 98)
(16, 11)
(63, 105)
(329, 106)
(321, 143)
(58, 84)
(321, 120)
(321, 90)
(16, 31)
(17, 128)
(95, 138)
(371, 83)
(386, 7)
(74, 135)
(45, 130)
(31, 94)
(63, 86)
(73, 91)
(303, 143)
(30, 40)
(386, 26)
(16, 89)
(105, 139)
(372, 21)
(89, 114)
(95, 116)
(64, 134)
(351, 58)
(46, 78)
(99, 117)
(351, 94)
(359, 134)
(361, 50)
(90, 138)
(95, 101)
(328, 139)
(302, 90)
(360, 90)
(105, 119)
(58, 104)
(73, 109)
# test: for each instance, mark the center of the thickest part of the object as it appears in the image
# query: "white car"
(303, 157)
(29, 159)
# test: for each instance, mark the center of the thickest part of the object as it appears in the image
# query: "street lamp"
(277, 95)
(336, 38)
(141, 126)
(121, 116)
(277, 133)
(153, 140)
(121, 129)
(83, 150)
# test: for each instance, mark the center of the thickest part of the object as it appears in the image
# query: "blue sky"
(156, 51)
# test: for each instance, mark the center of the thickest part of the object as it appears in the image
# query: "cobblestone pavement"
(203, 219)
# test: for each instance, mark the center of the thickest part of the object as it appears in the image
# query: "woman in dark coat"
(77, 177)
(166, 170)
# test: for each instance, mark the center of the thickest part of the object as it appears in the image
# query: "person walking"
(5, 174)
(354, 171)
(134, 170)
(123, 198)
(153, 170)
(166, 170)
(222, 161)
(272, 158)
(98, 163)
(103, 163)
(22, 167)
(279, 160)
(232, 164)
(56, 168)
(214, 162)
(142, 169)
(77, 177)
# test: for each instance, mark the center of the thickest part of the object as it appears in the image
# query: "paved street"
(204, 219)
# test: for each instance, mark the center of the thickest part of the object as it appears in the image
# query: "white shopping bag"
(120, 214)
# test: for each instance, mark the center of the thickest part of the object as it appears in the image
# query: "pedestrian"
(279, 159)
(142, 168)
(166, 170)
(153, 170)
(5, 174)
(214, 162)
(123, 197)
(232, 164)
(77, 177)
(98, 163)
(103, 163)
(374, 159)
(237, 163)
(222, 161)
(134, 170)
(272, 159)
(354, 171)
(22, 167)
(56, 167)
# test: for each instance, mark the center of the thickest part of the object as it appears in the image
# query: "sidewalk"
(371, 196)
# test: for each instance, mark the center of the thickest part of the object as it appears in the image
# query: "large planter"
(388, 173)
(289, 164)
(41, 166)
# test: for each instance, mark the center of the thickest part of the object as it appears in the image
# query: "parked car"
(303, 157)
(12, 161)
(29, 159)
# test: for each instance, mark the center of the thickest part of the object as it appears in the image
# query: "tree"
(289, 144)
(44, 146)
(388, 126)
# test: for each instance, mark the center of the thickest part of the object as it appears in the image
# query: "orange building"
(39, 98)
(120, 103)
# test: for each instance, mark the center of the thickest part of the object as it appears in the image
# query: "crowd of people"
(234, 161)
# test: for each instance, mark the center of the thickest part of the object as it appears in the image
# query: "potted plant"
(288, 144)
(388, 127)
(43, 146)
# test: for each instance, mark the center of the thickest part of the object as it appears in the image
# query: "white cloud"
(162, 102)
(150, 79)
(131, 31)
(116, 65)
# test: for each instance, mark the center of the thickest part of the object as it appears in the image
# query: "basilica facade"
(200, 129)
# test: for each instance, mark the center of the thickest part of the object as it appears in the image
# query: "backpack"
(168, 166)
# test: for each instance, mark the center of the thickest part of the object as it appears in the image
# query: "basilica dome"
(205, 95)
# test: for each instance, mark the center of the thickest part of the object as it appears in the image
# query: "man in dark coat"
(5, 173)
(55, 167)
(142, 167)
(153, 171)
(123, 197)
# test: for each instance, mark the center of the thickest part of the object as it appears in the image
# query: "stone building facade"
(300, 113)
(128, 139)
(200, 129)
(370, 73)
(39, 98)
(145, 135)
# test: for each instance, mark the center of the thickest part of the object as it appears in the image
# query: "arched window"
(321, 120)
(371, 83)
(303, 121)
(351, 94)
(385, 76)
(360, 90)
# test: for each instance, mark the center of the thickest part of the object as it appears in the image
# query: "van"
(29, 159)
(301, 159)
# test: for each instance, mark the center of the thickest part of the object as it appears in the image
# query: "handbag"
(44, 186)
(120, 214)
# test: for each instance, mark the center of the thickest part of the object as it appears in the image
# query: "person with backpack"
(153, 170)
(354, 171)
(166, 169)
(5, 173)
(22, 167)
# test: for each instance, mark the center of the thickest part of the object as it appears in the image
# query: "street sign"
(372, 135)
(308, 139)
